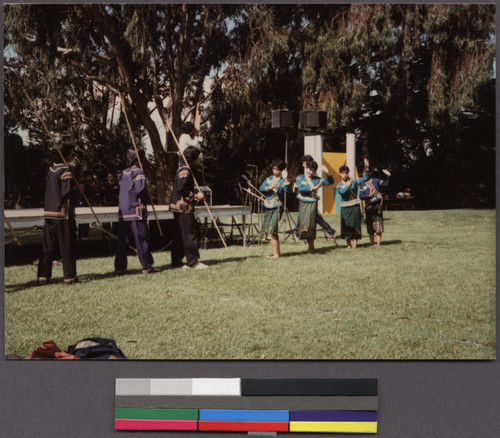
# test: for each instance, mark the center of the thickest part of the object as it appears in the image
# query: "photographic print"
(251, 181)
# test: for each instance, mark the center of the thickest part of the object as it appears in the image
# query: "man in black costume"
(59, 232)
(187, 229)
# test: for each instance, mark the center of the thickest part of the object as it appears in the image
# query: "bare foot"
(273, 257)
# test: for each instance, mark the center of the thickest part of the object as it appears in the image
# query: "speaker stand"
(286, 216)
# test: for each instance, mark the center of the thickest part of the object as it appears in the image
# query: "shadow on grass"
(84, 278)
(211, 262)
(384, 243)
(341, 246)
(167, 266)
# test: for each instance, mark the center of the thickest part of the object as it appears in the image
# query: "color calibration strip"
(247, 405)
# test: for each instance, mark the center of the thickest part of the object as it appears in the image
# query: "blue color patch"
(243, 415)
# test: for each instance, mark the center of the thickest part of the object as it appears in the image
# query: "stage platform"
(31, 217)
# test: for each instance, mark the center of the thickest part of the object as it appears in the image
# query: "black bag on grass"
(96, 348)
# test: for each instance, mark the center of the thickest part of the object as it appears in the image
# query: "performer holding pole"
(308, 185)
(186, 162)
(99, 224)
(59, 218)
(187, 229)
(132, 215)
(274, 188)
(350, 206)
(140, 162)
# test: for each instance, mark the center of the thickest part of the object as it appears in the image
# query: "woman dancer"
(308, 185)
(370, 193)
(351, 205)
(274, 188)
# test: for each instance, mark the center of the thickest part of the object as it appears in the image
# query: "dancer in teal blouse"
(351, 205)
(307, 186)
(370, 192)
(274, 188)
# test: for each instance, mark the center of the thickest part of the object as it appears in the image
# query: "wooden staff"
(22, 234)
(197, 117)
(261, 198)
(139, 159)
(257, 193)
(112, 235)
(62, 157)
(196, 184)
(251, 185)
(14, 235)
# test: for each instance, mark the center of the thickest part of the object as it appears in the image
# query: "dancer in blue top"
(274, 187)
(307, 186)
(332, 234)
(351, 207)
(370, 193)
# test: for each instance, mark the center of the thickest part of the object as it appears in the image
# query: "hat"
(187, 127)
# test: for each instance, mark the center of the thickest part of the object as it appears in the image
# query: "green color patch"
(156, 414)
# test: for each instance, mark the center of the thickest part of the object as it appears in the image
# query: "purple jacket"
(132, 199)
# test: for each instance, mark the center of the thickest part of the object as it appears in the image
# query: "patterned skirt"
(271, 221)
(374, 219)
(307, 220)
(350, 222)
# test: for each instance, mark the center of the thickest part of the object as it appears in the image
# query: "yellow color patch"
(334, 426)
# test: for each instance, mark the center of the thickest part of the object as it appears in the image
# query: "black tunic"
(59, 228)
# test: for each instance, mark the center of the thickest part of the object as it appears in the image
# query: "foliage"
(405, 78)
(80, 59)
(22, 187)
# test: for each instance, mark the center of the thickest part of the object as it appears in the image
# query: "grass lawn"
(427, 293)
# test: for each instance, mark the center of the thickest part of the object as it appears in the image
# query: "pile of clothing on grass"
(89, 348)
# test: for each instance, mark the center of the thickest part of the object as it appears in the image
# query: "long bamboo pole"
(14, 235)
(254, 195)
(197, 186)
(251, 185)
(139, 159)
(22, 234)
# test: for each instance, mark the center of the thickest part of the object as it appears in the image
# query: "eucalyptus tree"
(405, 78)
(79, 60)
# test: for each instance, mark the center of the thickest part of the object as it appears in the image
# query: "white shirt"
(185, 140)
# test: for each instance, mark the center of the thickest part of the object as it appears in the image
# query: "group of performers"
(60, 226)
(61, 195)
(353, 192)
